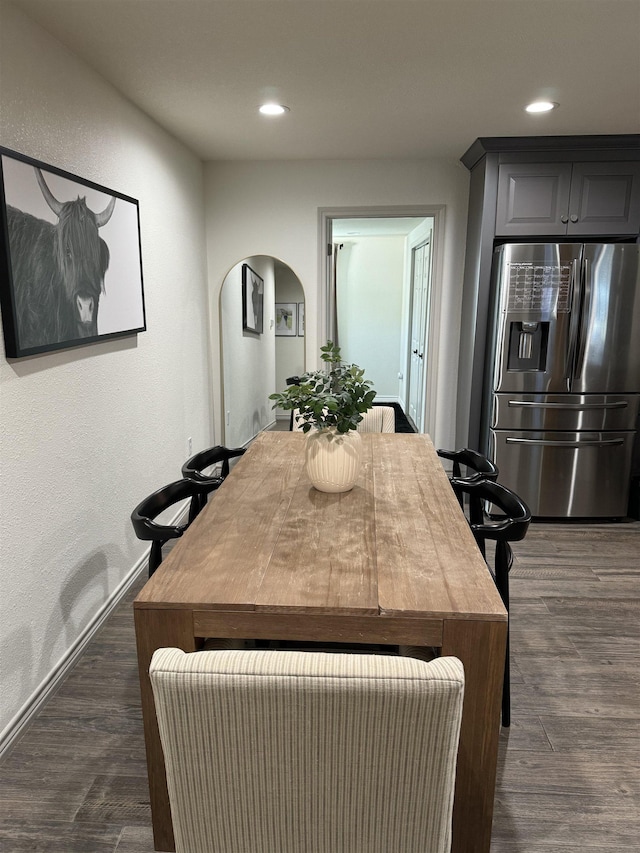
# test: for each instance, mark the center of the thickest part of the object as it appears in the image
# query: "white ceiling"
(363, 78)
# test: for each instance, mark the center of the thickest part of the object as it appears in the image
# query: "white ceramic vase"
(333, 459)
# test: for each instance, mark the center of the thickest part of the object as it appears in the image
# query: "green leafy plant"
(336, 398)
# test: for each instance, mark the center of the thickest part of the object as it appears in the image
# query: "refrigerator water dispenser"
(528, 346)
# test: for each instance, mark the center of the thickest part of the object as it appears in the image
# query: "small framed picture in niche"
(301, 319)
(252, 300)
(286, 319)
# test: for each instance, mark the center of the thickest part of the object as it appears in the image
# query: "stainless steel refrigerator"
(564, 375)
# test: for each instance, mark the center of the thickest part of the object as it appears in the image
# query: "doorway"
(378, 307)
(256, 361)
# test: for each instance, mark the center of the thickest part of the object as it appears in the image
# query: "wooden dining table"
(392, 561)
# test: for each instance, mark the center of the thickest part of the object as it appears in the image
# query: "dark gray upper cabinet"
(565, 199)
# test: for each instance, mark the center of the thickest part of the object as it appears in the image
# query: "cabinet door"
(533, 198)
(605, 199)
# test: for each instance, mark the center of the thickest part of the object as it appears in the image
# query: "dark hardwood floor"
(569, 771)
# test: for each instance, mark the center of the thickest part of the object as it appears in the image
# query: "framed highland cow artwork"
(70, 259)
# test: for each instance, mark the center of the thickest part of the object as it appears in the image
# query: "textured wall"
(249, 360)
(271, 208)
(86, 433)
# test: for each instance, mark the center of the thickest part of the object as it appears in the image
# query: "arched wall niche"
(255, 364)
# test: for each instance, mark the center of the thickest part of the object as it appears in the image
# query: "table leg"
(157, 629)
(481, 648)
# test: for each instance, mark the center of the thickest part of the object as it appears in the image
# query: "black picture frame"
(70, 259)
(252, 300)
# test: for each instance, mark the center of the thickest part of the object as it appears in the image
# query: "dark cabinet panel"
(533, 198)
(605, 199)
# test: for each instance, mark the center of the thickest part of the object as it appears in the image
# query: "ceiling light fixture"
(273, 109)
(541, 107)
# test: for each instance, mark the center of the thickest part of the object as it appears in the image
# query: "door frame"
(326, 215)
(415, 246)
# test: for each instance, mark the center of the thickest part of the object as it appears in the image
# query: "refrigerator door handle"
(610, 442)
(529, 404)
(574, 324)
(585, 317)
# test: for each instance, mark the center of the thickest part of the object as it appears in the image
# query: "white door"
(418, 325)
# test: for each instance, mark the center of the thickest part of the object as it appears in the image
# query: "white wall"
(289, 350)
(273, 208)
(369, 297)
(87, 433)
(249, 360)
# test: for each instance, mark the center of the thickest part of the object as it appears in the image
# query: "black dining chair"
(144, 516)
(510, 525)
(194, 469)
(477, 466)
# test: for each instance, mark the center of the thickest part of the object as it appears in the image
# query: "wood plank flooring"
(569, 770)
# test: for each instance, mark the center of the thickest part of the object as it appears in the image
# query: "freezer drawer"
(569, 412)
(566, 474)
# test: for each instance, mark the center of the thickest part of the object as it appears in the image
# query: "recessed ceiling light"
(273, 109)
(541, 107)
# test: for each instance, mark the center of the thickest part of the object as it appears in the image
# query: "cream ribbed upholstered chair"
(377, 419)
(308, 752)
